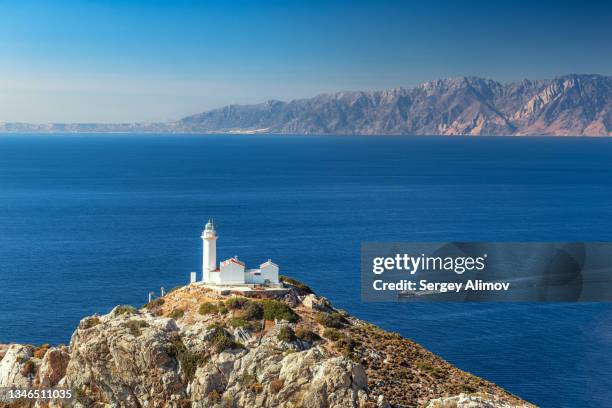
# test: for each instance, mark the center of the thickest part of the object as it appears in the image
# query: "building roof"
(234, 260)
(210, 226)
(268, 262)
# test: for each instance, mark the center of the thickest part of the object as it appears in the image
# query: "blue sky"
(111, 61)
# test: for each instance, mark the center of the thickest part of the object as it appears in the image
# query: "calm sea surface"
(88, 222)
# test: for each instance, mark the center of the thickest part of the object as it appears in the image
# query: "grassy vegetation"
(334, 319)
(155, 303)
(434, 371)
(125, 309)
(236, 302)
(236, 322)
(333, 334)
(176, 314)
(189, 361)
(345, 345)
(306, 334)
(273, 309)
(297, 284)
(216, 326)
(222, 341)
(252, 311)
(208, 308)
(135, 326)
(221, 308)
(286, 334)
(90, 322)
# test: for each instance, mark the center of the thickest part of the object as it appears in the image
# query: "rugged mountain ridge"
(197, 348)
(570, 105)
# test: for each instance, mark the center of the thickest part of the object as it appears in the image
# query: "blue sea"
(91, 221)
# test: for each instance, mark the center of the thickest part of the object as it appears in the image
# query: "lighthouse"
(232, 271)
(209, 254)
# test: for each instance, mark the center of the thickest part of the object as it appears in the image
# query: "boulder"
(315, 302)
(17, 367)
(53, 366)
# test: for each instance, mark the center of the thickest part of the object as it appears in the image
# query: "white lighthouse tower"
(209, 254)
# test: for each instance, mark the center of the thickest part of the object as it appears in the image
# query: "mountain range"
(569, 105)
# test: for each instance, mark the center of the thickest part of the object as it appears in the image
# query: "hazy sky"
(110, 61)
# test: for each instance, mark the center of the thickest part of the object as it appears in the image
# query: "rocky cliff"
(197, 348)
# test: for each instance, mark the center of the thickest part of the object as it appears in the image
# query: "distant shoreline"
(151, 133)
(569, 105)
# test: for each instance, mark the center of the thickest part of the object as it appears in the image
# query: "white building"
(232, 271)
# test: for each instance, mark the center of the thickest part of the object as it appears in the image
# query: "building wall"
(209, 257)
(254, 277)
(231, 273)
(269, 271)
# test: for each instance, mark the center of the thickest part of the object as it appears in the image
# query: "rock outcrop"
(196, 348)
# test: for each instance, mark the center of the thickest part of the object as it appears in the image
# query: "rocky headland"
(195, 347)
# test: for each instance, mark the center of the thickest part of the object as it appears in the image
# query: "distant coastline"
(570, 105)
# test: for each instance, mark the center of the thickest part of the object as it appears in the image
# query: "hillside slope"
(197, 348)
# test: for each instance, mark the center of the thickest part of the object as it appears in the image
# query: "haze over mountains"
(574, 105)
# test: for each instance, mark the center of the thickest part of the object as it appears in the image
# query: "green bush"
(154, 303)
(333, 334)
(297, 284)
(90, 322)
(253, 311)
(334, 319)
(125, 309)
(306, 334)
(222, 341)
(216, 326)
(434, 371)
(286, 334)
(255, 325)
(208, 308)
(236, 302)
(345, 344)
(135, 325)
(273, 309)
(189, 361)
(222, 308)
(176, 314)
(236, 322)
(466, 388)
